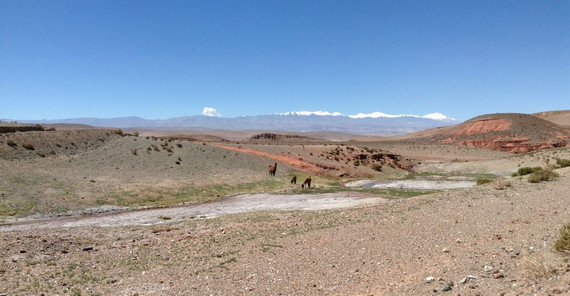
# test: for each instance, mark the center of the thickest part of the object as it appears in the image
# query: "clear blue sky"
(163, 59)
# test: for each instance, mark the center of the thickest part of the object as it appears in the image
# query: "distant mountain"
(376, 123)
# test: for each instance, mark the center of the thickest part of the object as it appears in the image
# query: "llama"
(307, 181)
(272, 169)
(294, 180)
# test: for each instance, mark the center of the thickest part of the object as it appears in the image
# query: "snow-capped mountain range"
(434, 116)
(376, 123)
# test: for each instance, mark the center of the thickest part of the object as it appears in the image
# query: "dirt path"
(231, 205)
(282, 158)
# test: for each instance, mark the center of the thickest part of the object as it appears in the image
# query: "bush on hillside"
(525, 171)
(540, 175)
(377, 167)
(562, 163)
(28, 146)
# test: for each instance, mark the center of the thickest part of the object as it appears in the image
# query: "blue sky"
(163, 59)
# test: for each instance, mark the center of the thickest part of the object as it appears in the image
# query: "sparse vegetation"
(28, 146)
(11, 143)
(541, 174)
(525, 171)
(539, 265)
(501, 184)
(482, 181)
(562, 163)
(562, 244)
(377, 167)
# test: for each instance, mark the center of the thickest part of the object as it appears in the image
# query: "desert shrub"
(28, 146)
(539, 265)
(563, 163)
(11, 143)
(540, 175)
(482, 181)
(356, 162)
(562, 244)
(179, 145)
(377, 167)
(156, 148)
(501, 184)
(524, 171)
(135, 151)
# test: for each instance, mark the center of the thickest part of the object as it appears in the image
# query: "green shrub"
(525, 171)
(377, 167)
(563, 163)
(28, 146)
(481, 181)
(562, 244)
(542, 175)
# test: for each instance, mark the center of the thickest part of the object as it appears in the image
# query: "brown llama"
(294, 180)
(272, 169)
(307, 181)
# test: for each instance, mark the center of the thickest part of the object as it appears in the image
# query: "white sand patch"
(425, 184)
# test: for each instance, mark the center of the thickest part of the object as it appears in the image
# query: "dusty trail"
(282, 158)
(231, 205)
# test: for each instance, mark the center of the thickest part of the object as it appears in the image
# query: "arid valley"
(445, 211)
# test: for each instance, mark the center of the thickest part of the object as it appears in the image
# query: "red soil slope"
(281, 158)
(510, 132)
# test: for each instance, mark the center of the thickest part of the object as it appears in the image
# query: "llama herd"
(273, 170)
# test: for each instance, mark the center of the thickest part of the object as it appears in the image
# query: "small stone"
(89, 248)
(445, 250)
(467, 279)
(488, 268)
(430, 279)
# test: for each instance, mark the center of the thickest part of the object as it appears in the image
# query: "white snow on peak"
(377, 115)
(433, 116)
(307, 113)
(437, 116)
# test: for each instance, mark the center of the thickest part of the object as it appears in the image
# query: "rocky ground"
(476, 241)
(492, 239)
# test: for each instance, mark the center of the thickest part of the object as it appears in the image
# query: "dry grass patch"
(501, 184)
(539, 265)
(562, 244)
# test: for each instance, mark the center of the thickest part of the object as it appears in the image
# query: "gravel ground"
(475, 241)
